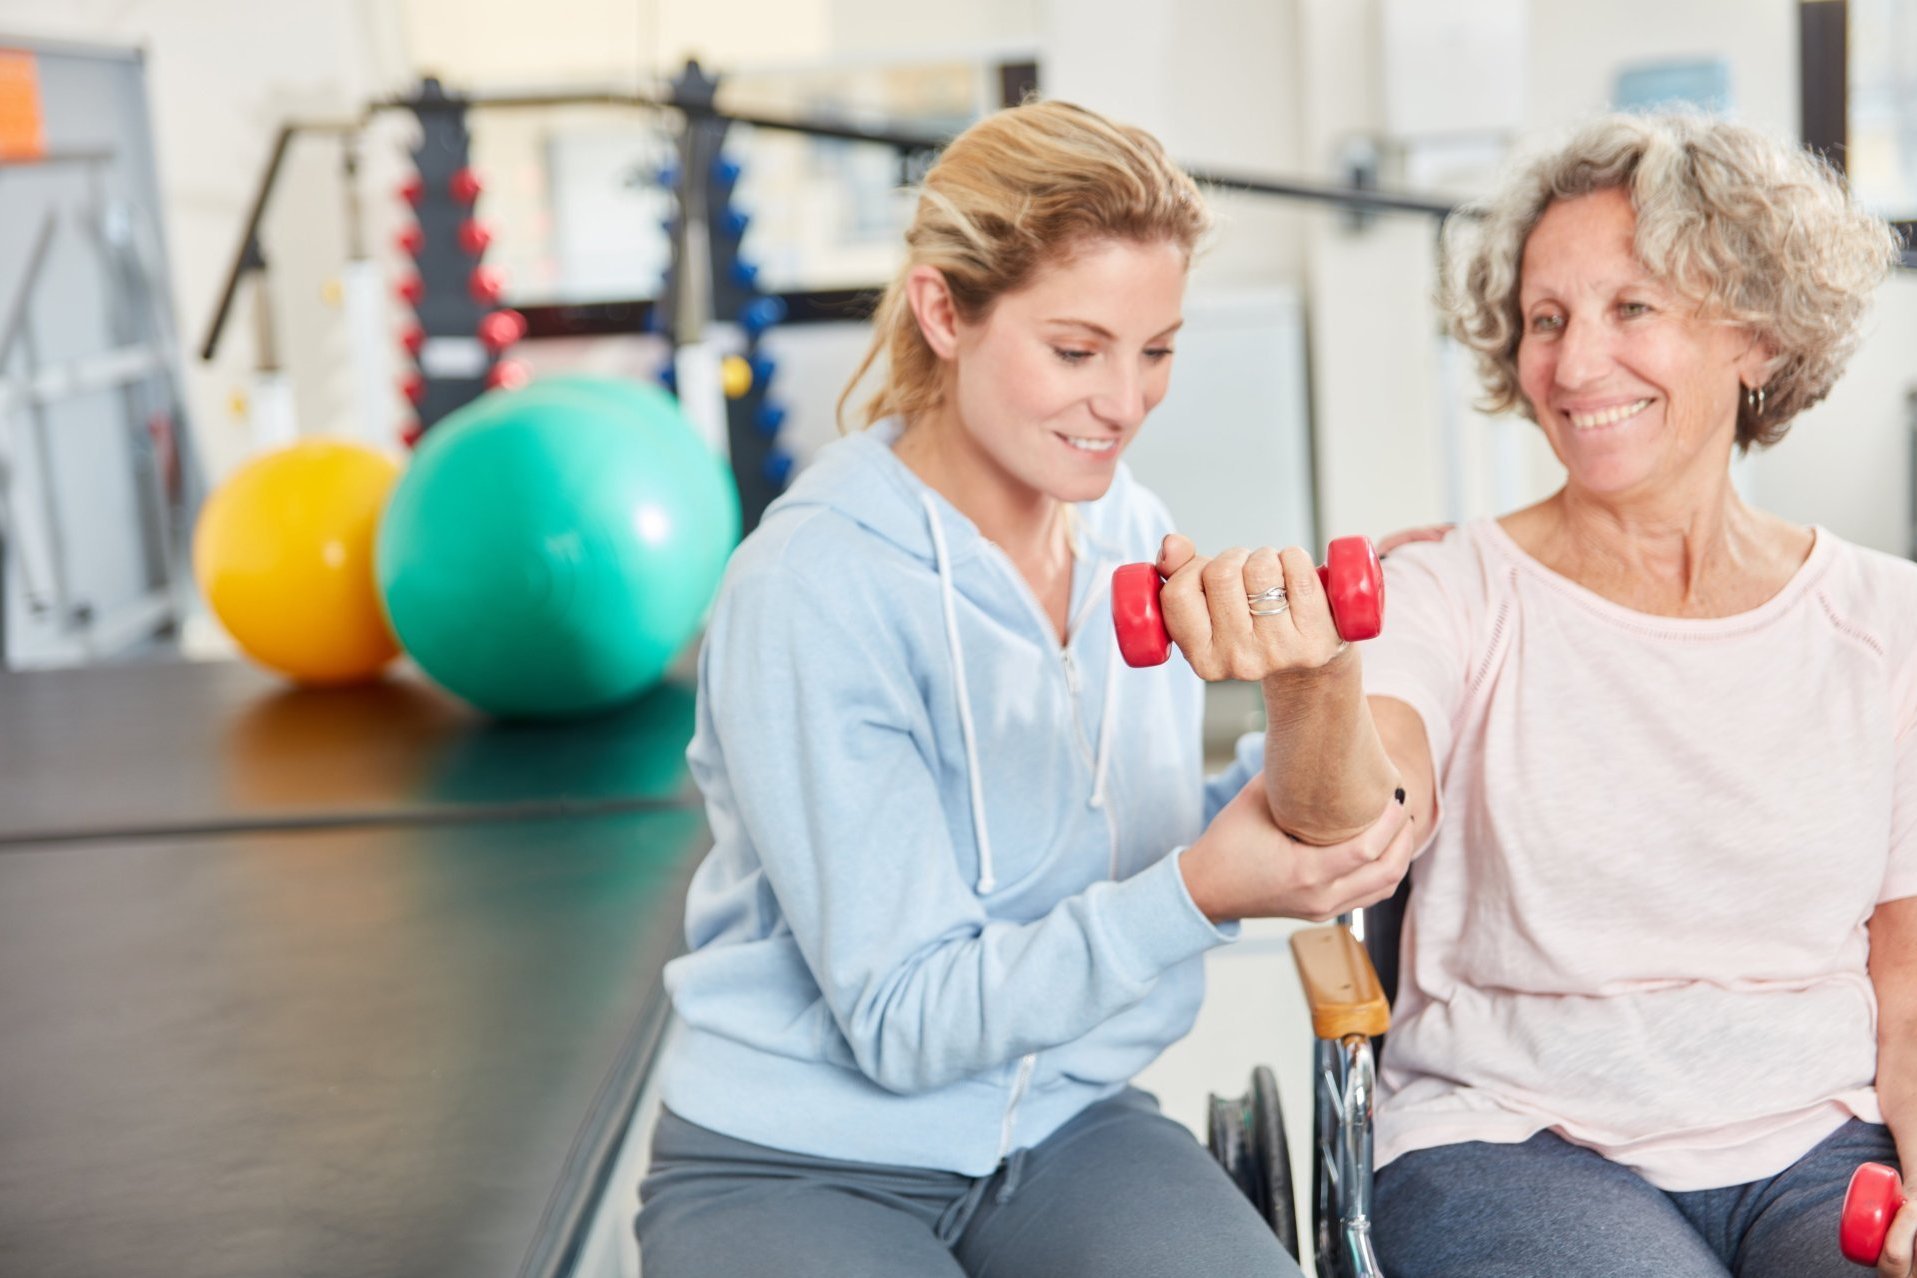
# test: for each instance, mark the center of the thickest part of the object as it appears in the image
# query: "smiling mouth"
(1087, 445)
(1608, 416)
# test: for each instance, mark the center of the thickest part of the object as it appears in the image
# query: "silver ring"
(1269, 603)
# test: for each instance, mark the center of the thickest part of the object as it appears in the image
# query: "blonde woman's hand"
(1244, 866)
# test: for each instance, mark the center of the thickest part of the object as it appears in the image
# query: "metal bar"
(247, 257)
(55, 157)
(91, 373)
(62, 602)
(518, 101)
(36, 261)
(1348, 197)
(906, 143)
(1354, 1155)
(897, 140)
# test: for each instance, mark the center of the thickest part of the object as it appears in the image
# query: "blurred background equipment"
(93, 421)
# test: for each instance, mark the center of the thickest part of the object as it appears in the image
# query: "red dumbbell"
(1353, 581)
(1875, 1196)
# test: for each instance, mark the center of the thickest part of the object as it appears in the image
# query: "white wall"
(1217, 81)
(1575, 49)
(1846, 463)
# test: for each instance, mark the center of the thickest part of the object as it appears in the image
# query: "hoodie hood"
(861, 478)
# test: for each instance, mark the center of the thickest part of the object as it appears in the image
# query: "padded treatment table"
(405, 1042)
(194, 747)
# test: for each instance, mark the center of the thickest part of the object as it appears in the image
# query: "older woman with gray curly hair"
(1658, 984)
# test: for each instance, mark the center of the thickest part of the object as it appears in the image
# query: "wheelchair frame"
(1348, 987)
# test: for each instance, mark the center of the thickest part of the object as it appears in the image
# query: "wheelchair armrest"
(1340, 984)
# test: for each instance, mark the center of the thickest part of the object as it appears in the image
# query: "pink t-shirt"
(1640, 922)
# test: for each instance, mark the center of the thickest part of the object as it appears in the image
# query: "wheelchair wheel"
(1246, 1134)
(1225, 1135)
(1272, 1153)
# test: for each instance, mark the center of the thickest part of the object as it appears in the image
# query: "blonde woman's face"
(1635, 390)
(1058, 377)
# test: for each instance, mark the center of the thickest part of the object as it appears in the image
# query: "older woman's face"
(1636, 391)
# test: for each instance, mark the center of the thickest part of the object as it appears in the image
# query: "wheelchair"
(1348, 987)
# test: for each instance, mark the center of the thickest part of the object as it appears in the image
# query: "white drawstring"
(1108, 716)
(987, 881)
(1105, 751)
(1102, 753)
(1101, 578)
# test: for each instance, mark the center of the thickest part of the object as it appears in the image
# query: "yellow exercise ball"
(284, 555)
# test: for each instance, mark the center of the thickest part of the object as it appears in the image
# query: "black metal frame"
(1823, 29)
(912, 149)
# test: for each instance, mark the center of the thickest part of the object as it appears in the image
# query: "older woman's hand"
(1896, 1260)
(1206, 603)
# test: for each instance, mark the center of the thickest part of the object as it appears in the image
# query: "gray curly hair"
(1757, 232)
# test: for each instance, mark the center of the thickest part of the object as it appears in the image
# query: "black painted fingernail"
(1399, 795)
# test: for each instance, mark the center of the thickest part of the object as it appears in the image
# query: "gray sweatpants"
(1478, 1210)
(1119, 1192)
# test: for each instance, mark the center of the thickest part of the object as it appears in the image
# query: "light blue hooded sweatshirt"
(943, 912)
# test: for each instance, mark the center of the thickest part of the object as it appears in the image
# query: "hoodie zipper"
(1028, 1063)
(1070, 664)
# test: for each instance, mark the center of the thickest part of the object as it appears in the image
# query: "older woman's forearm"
(1893, 977)
(1897, 1083)
(1897, 1096)
(1327, 775)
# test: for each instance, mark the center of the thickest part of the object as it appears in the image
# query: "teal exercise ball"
(551, 549)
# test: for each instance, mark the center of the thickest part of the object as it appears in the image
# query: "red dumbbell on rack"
(1353, 582)
(1875, 1196)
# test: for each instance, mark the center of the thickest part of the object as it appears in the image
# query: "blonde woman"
(965, 869)
(1658, 985)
